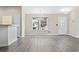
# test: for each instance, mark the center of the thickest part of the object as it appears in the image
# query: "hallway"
(58, 43)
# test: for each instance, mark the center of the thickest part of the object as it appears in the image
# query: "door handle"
(56, 24)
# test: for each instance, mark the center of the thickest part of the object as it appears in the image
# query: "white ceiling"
(45, 9)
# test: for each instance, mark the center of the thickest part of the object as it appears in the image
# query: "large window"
(39, 23)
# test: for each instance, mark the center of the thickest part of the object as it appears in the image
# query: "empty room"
(39, 29)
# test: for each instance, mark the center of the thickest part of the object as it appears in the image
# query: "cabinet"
(6, 20)
(8, 35)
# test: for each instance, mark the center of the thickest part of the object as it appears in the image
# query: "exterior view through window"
(39, 23)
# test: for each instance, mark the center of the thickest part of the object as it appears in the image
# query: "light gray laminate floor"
(48, 43)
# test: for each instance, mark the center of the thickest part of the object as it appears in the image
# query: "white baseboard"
(74, 35)
(41, 34)
(55, 34)
(9, 43)
(23, 36)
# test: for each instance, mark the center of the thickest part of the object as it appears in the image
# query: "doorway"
(62, 25)
(39, 24)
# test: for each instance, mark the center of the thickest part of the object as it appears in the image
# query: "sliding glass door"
(40, 23)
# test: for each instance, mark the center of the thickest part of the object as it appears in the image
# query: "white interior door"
(62, 25)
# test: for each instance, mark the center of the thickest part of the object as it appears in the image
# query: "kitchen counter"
(8, 34)
(5, 24)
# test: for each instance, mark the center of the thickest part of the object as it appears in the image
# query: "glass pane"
(39, 23)
(35, 23)
(43, 23)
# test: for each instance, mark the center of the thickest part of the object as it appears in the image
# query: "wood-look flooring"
(48, 43)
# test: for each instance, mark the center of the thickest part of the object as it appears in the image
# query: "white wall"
(52, 21)
(74, 22)
(9, 10)
(45, 9)
(51, 12)
(15, 12)
(23, 21)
